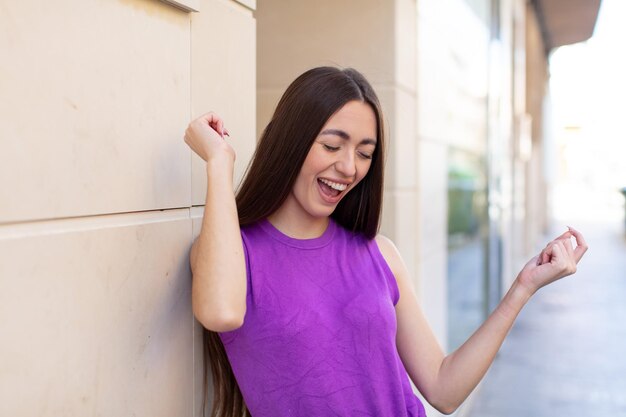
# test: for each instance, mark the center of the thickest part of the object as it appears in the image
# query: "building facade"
(100, 199)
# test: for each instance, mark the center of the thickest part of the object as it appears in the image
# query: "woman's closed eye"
(362, 154)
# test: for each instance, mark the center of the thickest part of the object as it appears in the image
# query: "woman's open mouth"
(331, 191)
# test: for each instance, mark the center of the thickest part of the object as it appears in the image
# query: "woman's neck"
(298, 227)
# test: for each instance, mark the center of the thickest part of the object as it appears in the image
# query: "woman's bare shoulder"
(390, 252)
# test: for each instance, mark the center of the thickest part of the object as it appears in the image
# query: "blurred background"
(505, 125)
(563, 355)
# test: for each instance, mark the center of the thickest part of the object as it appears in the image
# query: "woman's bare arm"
(217, 259)
(446, 381)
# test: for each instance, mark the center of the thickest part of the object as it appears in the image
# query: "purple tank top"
(319, 335)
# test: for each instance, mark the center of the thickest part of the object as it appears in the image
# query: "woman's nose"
(346, 165)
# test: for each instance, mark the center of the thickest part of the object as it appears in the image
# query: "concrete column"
(378, 39)
(536, 83)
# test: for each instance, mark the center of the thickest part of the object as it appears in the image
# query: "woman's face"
(338, 160)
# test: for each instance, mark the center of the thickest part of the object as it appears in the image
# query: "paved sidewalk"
(566, 354)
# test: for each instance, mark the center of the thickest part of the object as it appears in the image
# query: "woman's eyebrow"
(344, 135)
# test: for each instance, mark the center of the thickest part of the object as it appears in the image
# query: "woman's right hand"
(205, 136)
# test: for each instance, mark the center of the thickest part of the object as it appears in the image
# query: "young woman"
(307, 310)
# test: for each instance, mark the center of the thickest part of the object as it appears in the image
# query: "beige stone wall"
(96, 195)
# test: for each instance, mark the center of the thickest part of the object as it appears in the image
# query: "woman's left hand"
(557, 260)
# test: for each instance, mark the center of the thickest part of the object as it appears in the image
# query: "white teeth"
(336, 186)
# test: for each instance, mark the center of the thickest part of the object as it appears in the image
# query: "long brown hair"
(304, 108)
